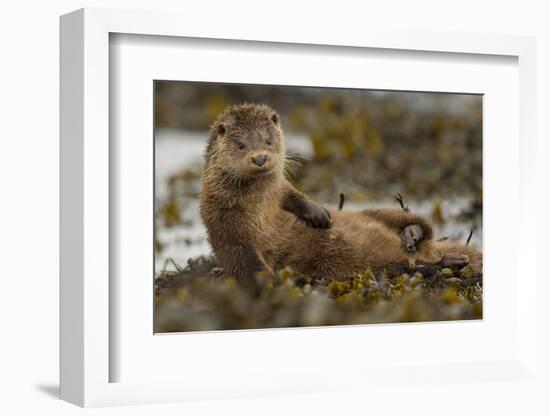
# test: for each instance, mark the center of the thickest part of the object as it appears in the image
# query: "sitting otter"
(256, 220)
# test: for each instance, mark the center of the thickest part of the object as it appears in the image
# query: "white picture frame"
(86, 293)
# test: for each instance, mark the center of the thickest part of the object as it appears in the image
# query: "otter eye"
(241, 146)
(269, 141)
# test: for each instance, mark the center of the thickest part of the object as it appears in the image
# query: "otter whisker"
(289, 170)
(292, 162)
(296, 157)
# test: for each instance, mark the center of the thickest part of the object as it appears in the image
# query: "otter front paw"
(316, 216)
(411, 236)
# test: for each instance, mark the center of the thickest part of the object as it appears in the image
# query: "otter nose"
(259, 160)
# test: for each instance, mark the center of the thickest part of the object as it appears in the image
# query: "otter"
(256, 220)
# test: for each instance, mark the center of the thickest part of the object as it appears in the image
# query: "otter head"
(249, 140)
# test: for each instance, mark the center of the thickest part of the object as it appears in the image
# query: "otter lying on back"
(256, 220)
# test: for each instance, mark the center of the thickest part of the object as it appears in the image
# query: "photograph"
(300, 206)
(213, 208)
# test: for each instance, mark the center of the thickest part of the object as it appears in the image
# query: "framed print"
(236, 209)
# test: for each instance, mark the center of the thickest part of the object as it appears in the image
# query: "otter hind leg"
(458, 248)
(411, 228)
(411, 236)
(450, 253)
(455, 260)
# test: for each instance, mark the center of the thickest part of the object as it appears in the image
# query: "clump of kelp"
(198, 297)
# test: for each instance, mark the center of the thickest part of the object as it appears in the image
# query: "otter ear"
(221, 129)
(275, 118)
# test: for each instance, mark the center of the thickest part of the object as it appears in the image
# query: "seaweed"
(199, 297)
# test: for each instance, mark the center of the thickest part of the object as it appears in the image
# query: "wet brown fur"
(256, 220)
